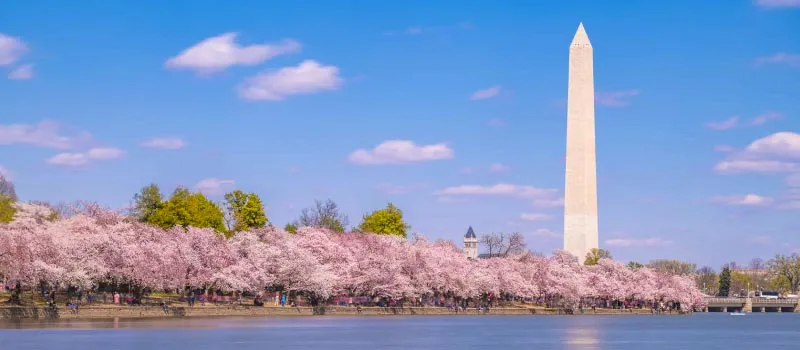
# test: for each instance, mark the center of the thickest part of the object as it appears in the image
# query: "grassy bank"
(127, 312)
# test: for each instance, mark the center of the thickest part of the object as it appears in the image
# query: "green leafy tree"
(8, 196)
(787, 267)
(707, 280)
(244, 211)
(147, 202)
(325, 215)
(7, 188)
(594, 256)
(386, 221)
(7, 210)
(673, 267)
(724, 282)
(185, 209)
(291, 228)
(741, 283)
(633, 265)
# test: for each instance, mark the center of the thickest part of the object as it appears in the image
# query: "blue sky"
(696, 112)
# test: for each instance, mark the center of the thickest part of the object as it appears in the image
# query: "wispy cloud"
(170, 143)
(775, 4)
(723, 148)
(789, 59)
(496, 123)
(634, 242)
(499, 168)
(744, 200)
(724, 125)
(547, 233)
(535, 216)
(77, 159)
(214, 186)
(47, 134)
(615, 98)
(734, 122)
(420, 30)
(486, 93)
(23, 72)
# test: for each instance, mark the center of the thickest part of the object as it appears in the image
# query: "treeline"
(779, 274)
(238, 211)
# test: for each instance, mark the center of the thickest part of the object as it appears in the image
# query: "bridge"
(732, 304)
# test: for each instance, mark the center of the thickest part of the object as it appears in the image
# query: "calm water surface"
(699, 331)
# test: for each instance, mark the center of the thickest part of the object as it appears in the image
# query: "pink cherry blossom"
(96, 246)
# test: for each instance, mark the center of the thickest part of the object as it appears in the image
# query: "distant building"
(471, 244)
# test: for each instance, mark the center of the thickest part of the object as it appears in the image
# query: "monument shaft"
(580, 186)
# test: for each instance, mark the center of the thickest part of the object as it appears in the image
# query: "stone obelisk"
(580, 186)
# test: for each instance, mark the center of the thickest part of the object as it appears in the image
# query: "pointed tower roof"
(470, 233)
(581, 39)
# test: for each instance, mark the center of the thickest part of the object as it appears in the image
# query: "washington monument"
(580, 186)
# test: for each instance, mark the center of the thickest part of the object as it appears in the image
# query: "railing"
(725, 301)
(760, 301)
(792, 301)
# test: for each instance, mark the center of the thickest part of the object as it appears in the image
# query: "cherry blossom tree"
(97, 246)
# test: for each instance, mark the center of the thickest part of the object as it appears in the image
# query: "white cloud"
(631, 242)
(76, 159)
(535, 216)
(498, 168)
(780, 144)
(771, 154)
(45, 134)
(69, 159)
(498, 190)
(11, 49)
(165, 143)
(308, 77)
(745, 200)
(401, 152)
(104, 153)
(789, 59)
(467, 170)
(486, 93)
(214, 186)
(725, 124)
(615, 98)
(217, 53)
(23, 72)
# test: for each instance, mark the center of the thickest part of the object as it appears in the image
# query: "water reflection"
(583, 338)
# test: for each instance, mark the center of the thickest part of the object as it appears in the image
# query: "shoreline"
(13, 313)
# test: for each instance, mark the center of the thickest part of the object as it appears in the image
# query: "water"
(699, 331)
